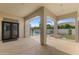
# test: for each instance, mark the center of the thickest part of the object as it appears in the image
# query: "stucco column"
(77, 29)
(55, 28)
(43, 36)
(27, 29)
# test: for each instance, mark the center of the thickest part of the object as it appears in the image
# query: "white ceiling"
(21, 9)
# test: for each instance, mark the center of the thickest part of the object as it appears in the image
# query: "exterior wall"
(0, 28)
(20, 20)
(27, 29)
(21, 28)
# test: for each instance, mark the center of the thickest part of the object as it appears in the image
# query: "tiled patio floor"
(28, 47)
(68, 46)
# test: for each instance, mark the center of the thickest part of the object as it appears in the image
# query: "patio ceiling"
(23, 9)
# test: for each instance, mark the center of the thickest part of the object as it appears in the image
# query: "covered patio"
(55, 41)
(40, 44)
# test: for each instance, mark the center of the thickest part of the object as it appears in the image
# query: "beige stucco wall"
(20, 20)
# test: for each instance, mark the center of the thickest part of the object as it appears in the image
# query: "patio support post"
(77, 29)
(55, 28)
(43, 36)
(24, 29)
(77, 26)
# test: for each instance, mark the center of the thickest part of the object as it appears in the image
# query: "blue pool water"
(35, 33)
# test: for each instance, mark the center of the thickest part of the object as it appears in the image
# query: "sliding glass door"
(15, 30)
(6, 30)
(10, 31)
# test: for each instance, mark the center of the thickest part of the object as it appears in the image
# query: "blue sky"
(36, 21)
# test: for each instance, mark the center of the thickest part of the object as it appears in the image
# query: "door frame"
(10, 30)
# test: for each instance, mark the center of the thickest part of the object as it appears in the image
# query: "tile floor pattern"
(25, 46)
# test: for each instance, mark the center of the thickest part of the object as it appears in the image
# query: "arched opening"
(49, 26)
(66, 28)
(33, 26)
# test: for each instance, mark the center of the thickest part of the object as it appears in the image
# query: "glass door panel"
(14, 30)
(6, 30)
(10, 31)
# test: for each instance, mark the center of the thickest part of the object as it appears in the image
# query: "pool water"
(35, 33)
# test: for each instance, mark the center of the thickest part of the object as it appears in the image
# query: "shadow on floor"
(54, 51)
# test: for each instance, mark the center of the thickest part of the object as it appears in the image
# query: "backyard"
(68, 37)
